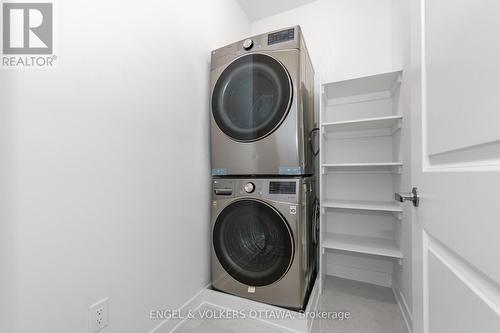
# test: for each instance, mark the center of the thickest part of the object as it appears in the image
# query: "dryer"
(262, 106)
(262, 239)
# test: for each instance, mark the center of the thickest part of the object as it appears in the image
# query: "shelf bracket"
(323, 170)
(324, 96)
(396, 127)
(398, 215)
(397, 170)
(396, 84)
(400, 261)
(323, 210)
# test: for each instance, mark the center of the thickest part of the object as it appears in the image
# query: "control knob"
(249, 187)
(248, 44)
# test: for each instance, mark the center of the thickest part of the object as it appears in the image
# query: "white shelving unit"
(361, 167)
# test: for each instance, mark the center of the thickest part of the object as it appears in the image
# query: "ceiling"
(257, 9)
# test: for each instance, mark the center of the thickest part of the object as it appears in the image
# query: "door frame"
(417, 9)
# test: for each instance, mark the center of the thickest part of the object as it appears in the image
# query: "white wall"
(346, 38)
(105, 165)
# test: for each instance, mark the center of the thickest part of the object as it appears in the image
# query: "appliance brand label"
(251, 290)
(293, 210)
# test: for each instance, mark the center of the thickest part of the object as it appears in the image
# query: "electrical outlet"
(98, 315)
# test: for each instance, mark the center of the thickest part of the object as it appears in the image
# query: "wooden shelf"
(389, 122)
(362, 244)
(363, 205)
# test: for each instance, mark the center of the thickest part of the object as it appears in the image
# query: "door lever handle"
(413, 197)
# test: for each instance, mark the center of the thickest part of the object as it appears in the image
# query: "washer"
(262, 239)
(262, 106)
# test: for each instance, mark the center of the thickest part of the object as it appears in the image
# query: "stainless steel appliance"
(262, 106)
(262, 239)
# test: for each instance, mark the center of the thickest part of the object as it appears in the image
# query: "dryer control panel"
(281, 36)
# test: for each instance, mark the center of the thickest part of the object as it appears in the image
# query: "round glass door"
(253, 242)
(251, 97)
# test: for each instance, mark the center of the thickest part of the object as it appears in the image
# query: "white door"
(456, 142)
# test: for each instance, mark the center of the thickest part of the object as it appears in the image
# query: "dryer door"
(253, 242)
(252, 97)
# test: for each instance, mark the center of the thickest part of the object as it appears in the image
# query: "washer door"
(252, 97)
(253, 242)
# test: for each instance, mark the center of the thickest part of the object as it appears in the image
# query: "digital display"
(280, 36)
(282, 188)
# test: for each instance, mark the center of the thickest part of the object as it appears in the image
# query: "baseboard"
(359, 274)
(403, 306)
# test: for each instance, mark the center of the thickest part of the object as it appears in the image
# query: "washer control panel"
(277, 189)
(282, 187)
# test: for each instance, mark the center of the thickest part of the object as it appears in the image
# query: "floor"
(198, 325)
(372, 309)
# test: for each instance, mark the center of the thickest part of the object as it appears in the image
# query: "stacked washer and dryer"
(263, 135)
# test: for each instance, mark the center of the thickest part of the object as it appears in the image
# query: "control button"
(249, 187)
(248, 44)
